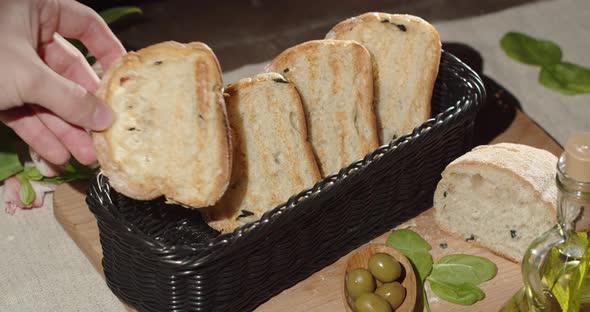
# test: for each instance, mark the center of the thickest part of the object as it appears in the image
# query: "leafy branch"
(453, 278)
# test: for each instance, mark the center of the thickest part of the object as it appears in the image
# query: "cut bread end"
(495, 203)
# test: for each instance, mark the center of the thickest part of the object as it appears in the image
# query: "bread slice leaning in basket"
(171, 135)
(335, 80)
(501, 196)
(272, 158)
(406, 53)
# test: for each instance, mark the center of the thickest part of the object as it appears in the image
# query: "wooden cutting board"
(322, 290)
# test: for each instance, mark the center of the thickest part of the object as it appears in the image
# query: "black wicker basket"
(159, 257)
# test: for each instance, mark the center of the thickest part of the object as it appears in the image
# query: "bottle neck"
(573, 202)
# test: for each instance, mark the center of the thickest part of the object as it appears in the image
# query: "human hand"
(46, 85)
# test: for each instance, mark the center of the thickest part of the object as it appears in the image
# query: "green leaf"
(422, 261)
(74, 171)
(529, 50)
(9, 165)
(566, 279)
(33, 173)
(425, 299)
(405, 239)
(576, 284)
(413, 246)
(566, 78)
(27, 194)
(9, 162)
(461, 268)
(464, 294)
(113, 14)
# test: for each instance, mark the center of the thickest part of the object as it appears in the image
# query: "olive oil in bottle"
(555, 268)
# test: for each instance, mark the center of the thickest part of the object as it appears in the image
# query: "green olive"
(384, 267)
(371, 303)
(394, 293)
(358, 282)
(378, 283)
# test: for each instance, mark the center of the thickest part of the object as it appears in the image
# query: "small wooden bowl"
(360, 259)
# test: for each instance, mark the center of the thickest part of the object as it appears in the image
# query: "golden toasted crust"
(272, 158)
(406, 54)
(334, 78)
(171, 133)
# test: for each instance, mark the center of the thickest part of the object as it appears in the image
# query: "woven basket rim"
(471, 79)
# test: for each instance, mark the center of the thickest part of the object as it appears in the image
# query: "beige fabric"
(41, 269)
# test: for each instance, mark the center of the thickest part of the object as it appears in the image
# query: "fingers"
(80, 22)
(63, 97)
(75, 139)
(35, 133)
(67, 61)
(75, 20)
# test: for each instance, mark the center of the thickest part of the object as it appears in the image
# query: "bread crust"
(145, 186)
(533, 167)
(267, 169)
(334, 79)
(378, 32)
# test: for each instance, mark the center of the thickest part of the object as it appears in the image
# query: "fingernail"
(103, 117)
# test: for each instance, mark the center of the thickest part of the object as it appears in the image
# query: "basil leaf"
(27, 194)
(413, 246)
(529, 50)
(464, 294)
(9, 162)
(568, 291)
(422, 261)
(577, 282)
(461, 268)
(566, 78)
(407, 240)
(33, 173)
(114, 14)
(72, 172)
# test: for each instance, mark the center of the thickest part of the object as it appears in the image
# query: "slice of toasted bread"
(171, 134)
(272, 158)
(406, 53)
(334, 78)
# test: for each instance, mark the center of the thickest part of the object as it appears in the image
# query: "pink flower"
(11, 194)
(41, 188)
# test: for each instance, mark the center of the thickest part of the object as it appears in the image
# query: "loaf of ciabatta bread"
(272, 158)
(171, 135)
(334, 78)
(501, 196)
(406, 53)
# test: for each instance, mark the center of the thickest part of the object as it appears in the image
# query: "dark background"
(252, 31)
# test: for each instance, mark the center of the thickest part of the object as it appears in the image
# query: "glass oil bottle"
(555, 268)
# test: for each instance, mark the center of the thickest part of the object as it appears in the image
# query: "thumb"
(63, 97)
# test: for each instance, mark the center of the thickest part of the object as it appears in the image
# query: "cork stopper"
(577, 157)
